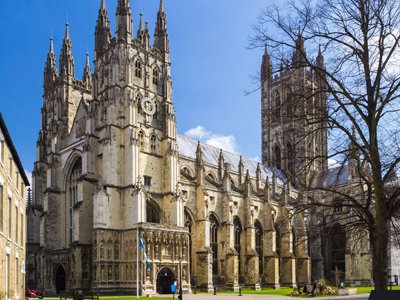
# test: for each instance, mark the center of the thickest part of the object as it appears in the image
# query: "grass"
(368, 289)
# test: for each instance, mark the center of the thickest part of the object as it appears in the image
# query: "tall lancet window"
(214, 243)
(138, 68)
(155, 76)
(277, 156)
(277, 106)
(259, 246)
(73, 182)
(237, 235)
(290, 159)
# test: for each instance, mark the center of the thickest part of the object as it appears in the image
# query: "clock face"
(148, 105)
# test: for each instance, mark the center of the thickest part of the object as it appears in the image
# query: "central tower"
(294, 107)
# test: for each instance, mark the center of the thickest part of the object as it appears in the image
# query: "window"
(73, 194)
(238, 233)
(152, 214)
(141, 140)
(147, 180)
(10, 167)
(277, 107)
(153, 143)
(2, 150)
(22, 230)
(138, 69)
(17, 178)
(155, 76)
(1, 208)
(337, 207)
(290, 159)
(9, 217)
(189, 226)
(278, 162)
(259, 246)
(16, 225)
(214, 243)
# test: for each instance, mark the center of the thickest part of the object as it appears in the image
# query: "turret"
(221, 163)
(67, 64)
(160, 34)
(50, 69)
(299, 56)
(124, 21)
(103, 31)
(87, 73)
(143, 34)
(241, 171)
(266, 66)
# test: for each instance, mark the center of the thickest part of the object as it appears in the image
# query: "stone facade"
(13, 182)
(110, 163)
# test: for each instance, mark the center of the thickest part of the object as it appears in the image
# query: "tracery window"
(278, 159)
(152, 214)
(153, 143)
(277, 106)
(189, 226)
(138, 69)
(259, 246)
(155, 76)
(214, 242)
(73, 194)
(290, 159)
(237, 235)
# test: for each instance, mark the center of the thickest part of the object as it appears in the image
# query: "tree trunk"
(379, 240)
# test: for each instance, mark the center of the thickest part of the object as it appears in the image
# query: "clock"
(148, 105)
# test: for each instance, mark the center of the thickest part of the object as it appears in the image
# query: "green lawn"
(368, 289)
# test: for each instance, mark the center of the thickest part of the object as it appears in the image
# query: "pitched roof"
(187, 148)
(14, 152)
(332, 177)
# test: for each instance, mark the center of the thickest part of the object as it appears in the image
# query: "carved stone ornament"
(148, 105)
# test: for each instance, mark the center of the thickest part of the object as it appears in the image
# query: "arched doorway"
(164, 280)
(60, 279)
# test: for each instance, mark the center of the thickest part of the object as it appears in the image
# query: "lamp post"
(180, 297)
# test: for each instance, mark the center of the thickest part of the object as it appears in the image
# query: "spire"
(103, 31)
(87, 73)
(50, 69)
(67, 64)
(140, 32)
(320, 58)
(160, 34)
(124, 21)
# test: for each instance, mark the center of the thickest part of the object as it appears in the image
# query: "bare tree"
(360, 41)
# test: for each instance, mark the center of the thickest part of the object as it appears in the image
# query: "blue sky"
(211, 66)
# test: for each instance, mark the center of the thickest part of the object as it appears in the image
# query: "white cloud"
(225, 142)
(198, 132)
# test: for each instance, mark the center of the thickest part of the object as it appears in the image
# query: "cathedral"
(110, 167)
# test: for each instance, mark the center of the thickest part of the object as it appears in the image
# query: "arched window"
(214, 242)
(237, 237)
(116, 250)
(337, 207)
(277, 106)
(152, 214)
(277, 156)
(155, 76)
(189, 226)
(73, 178)
(141, 140)
(211, 176)
(289, 103)
(153, 143)
(138, 69)
(290, 159)
(259, 246)
(337, 248)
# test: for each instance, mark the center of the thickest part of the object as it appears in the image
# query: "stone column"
(232, 260)
(252, 275)
(288, 260)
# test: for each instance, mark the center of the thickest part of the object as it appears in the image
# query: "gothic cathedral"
(110, 167)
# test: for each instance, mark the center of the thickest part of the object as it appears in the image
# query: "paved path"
(266, 297)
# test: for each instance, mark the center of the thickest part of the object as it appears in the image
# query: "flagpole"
(137, 264)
